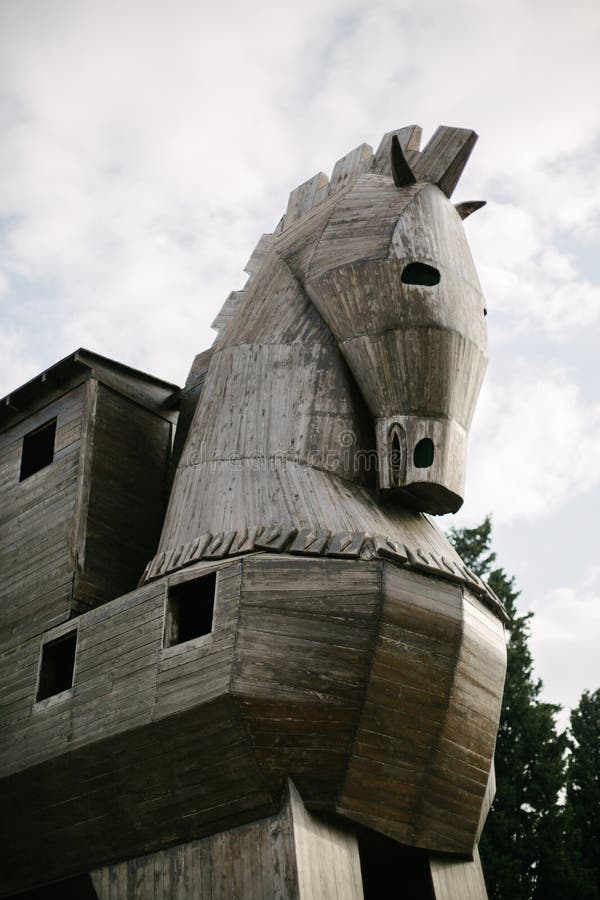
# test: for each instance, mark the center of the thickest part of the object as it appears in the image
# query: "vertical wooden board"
(178, 872)
(444, 157)
(127, 496)
(204, 866)
(302, 655)
(418, 644)
(327, 856)
(36, 517)
(410, 139)
(118, 881)
(350, 166)
(160, 883)
(457, 879)
(100, 882)
(305, 196)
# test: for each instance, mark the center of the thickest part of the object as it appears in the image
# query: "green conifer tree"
(583, 791)
(524, 834)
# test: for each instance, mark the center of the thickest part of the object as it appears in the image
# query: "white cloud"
(564, 638)
(526, 276)
(534, 446)
(146, 146)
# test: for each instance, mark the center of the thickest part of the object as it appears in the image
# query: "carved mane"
(441, 162)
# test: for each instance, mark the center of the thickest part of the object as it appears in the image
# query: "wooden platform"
(377, 689)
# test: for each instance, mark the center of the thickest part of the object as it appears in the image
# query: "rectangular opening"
(190, 609)
(393, 870)
(57, 665)
(38, 449)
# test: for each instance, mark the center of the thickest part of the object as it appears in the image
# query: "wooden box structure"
(283, 682)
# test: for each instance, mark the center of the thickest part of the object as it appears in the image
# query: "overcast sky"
(146, 146)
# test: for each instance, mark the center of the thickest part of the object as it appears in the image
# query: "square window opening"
(38, 449)
(190, 609)
(57, 666)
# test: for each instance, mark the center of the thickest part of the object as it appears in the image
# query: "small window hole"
(57, 666)
(424, 453)
(420, 273)
(191, 608)
(38, 449)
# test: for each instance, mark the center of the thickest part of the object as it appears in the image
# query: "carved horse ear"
(467, 207)
(443, 159)
(401, 171)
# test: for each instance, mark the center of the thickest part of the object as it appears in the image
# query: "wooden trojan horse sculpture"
(318, 714)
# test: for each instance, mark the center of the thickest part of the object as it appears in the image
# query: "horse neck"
(279, 412)
(277, 385)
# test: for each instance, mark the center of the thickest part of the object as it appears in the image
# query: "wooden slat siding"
(327, 857)
(301, 658)
(305, 196)
(212, 781)
(114, 684)
(18, 676)
(152, 393)
(405, 718)
(361, 226)
(350, 166)
(410, 140)
(201, 669)
(189, 398)
(490, 794)
(259, 254)
(210, 784)
(36, 517)
(459, 773)
(288, 856)
(84, 483)
(444, 157)
(457, 879)
(129, 471)
(228, 310)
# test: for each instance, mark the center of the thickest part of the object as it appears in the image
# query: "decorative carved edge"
(279, 538)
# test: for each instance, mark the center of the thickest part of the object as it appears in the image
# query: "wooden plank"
(457, 879)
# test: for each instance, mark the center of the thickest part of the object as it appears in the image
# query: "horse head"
(392, 276)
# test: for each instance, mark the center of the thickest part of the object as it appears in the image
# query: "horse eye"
(420, 273)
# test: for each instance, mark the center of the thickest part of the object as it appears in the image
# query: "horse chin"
(425, 496)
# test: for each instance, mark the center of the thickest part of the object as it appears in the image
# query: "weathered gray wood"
(443, 159)
(350, 647)
(384, 713)
(429, 720)
(290, 856)
(457, 879)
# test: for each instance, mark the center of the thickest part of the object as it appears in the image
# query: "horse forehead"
(430, 229)
(377, 220)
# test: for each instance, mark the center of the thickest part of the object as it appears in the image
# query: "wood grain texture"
(302, 655)
(292, 855)
(350, 650)
(126, 482)
(457, 879)
(36, 518)
(330, 351)
(424, 745)
(80, 530)
(376, 688)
